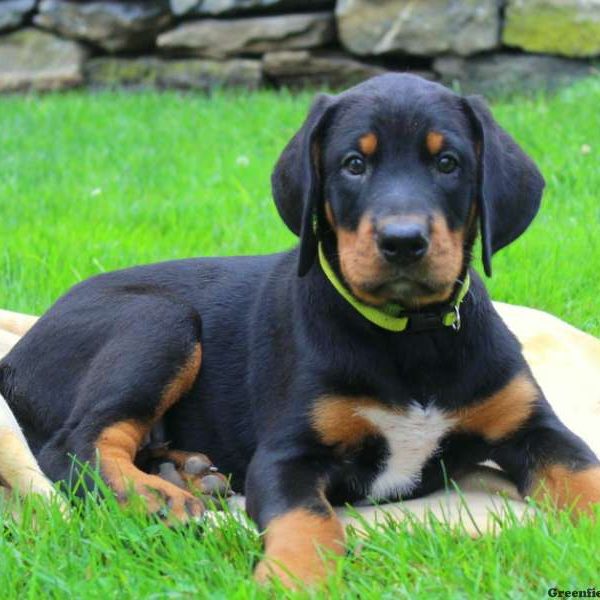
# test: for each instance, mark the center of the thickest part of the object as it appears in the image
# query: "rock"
(504, 74)
(566, 27)
(417, 27)
(301, 68)
(182, 7)
(111, 25)
(13, 12)
(222, 38)
(187, 74)
(35, 60)
(233, 7)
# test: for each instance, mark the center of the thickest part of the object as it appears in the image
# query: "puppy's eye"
(446, 163)
(354, 164)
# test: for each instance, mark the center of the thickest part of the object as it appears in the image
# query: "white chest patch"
(413, 436)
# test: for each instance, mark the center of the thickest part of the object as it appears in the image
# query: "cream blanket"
(565, 361)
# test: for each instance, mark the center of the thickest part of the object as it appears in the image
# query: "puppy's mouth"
(402, 286)
(409, 291)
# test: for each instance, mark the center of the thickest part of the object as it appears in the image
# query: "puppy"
(368, 362)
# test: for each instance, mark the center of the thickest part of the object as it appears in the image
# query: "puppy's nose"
(403, 243)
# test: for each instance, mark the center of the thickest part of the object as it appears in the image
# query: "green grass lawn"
(96, 182)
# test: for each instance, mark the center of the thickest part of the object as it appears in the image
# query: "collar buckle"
(457, 322)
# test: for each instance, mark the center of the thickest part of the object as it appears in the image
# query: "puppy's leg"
(549, 462)
(147, 366)
(544, 458)
(286, 498)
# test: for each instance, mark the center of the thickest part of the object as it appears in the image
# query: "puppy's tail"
(18, 468)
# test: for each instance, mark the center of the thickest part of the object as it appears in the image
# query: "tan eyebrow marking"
(368, 144)
(434, 141)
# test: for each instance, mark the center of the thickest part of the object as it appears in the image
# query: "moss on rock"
(565, 27)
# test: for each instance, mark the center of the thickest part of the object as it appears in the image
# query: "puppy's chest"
(409, 437)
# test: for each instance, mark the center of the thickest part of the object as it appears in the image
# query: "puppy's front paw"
(293, 570)
(299, 548)
(565, 488)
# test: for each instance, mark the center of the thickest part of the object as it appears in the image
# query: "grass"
(93, 183)
(102, 553)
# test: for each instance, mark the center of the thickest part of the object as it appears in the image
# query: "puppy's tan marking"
(368, 144)
(118, 444)
(442, 264)
(296, 544)
(502, 413)
(566, 488)
(434, 142)
(338, 420)
(360, 261)
(329, 215)
(181, 383)
(362, 265)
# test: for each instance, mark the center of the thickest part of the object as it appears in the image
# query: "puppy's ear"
(510, 185)
(296, 180)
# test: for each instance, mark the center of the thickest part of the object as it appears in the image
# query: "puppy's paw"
(293, 570)
(192, 471)
(266, 571)
(173, 504)
(300, 547)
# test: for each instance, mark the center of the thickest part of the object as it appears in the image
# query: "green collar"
(394, 317)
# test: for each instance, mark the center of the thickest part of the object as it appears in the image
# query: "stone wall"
(488, 46)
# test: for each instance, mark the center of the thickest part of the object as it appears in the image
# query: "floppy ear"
(296, 181)
(510, 185)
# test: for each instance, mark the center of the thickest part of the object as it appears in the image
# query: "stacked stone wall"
(485, 46)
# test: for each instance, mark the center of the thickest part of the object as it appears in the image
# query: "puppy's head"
(397, 174)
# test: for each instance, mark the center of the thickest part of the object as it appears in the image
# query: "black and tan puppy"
(360, 364)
